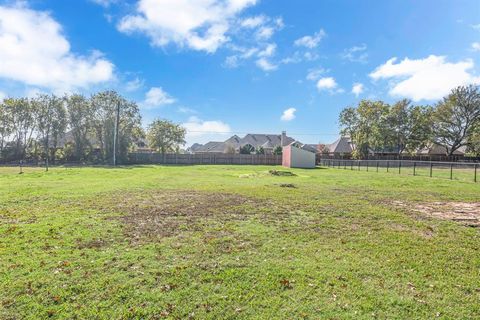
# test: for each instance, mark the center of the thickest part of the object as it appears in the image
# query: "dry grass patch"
(467, 213)
(169, 213)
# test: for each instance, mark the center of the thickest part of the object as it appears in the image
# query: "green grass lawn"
(232, 242)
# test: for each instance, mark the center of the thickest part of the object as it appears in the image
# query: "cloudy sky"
(235, 66)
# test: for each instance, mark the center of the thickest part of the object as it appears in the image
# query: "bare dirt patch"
(169, 213)
(281, 173)
(467, 213)
(91, 244)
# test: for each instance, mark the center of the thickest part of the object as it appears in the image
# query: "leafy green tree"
(247, 149)
(6, 127)
(473, 145)
(51, 122)
(260, 150)
(81, 122)
(23, 124)
(349, 123)
(106, 105)
(367, 125)
(410, 126)
(165, 136)
(278, 150)
(455, 118)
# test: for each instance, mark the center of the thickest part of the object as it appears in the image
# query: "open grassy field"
(233, 242)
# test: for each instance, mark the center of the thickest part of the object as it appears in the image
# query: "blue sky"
(238, 66)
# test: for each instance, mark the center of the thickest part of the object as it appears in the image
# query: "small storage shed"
(294, 157)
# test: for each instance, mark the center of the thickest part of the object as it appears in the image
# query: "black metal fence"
(448, 170)
(403, 157)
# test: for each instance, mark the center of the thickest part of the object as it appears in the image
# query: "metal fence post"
(399, 167)
(344, 164)
(388, 165)
(377, 165)
(367, 165)
(475, 174)
(431, 169)
(451, 171)
(414, 168)
(358, 165)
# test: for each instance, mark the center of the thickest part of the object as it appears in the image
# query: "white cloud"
(326, 83)
(425, 79)
(261, 53)
(231, 62)
(104, 3)
(268, 51)
(157, 97)
(329, 84)
(202, 131)
(310, 41)
(356, 54)
(186, 110)
(476, 46)
(35, 52)
(315, 74)
(198, 24)
(476, 26)
(134, 84)
(288, 114)
(357, 89)
(266, 65)
(299, 56)
(253, 22)
(265, 33)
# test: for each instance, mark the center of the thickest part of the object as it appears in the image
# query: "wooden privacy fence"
(186, 159)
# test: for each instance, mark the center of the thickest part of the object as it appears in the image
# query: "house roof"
(212, 146)
(195, 147)
(271, 140)
(342, 145)
(437, 149)
(268, 144)
(267, 141)
(234, 141)
(310, 147)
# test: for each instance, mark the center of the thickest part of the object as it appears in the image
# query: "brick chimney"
(283, 140)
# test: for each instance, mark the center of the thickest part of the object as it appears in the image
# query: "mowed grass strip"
(230, 242)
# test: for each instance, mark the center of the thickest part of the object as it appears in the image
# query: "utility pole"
(115, 133)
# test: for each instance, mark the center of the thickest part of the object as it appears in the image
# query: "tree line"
(93, 129)
(402, 127)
